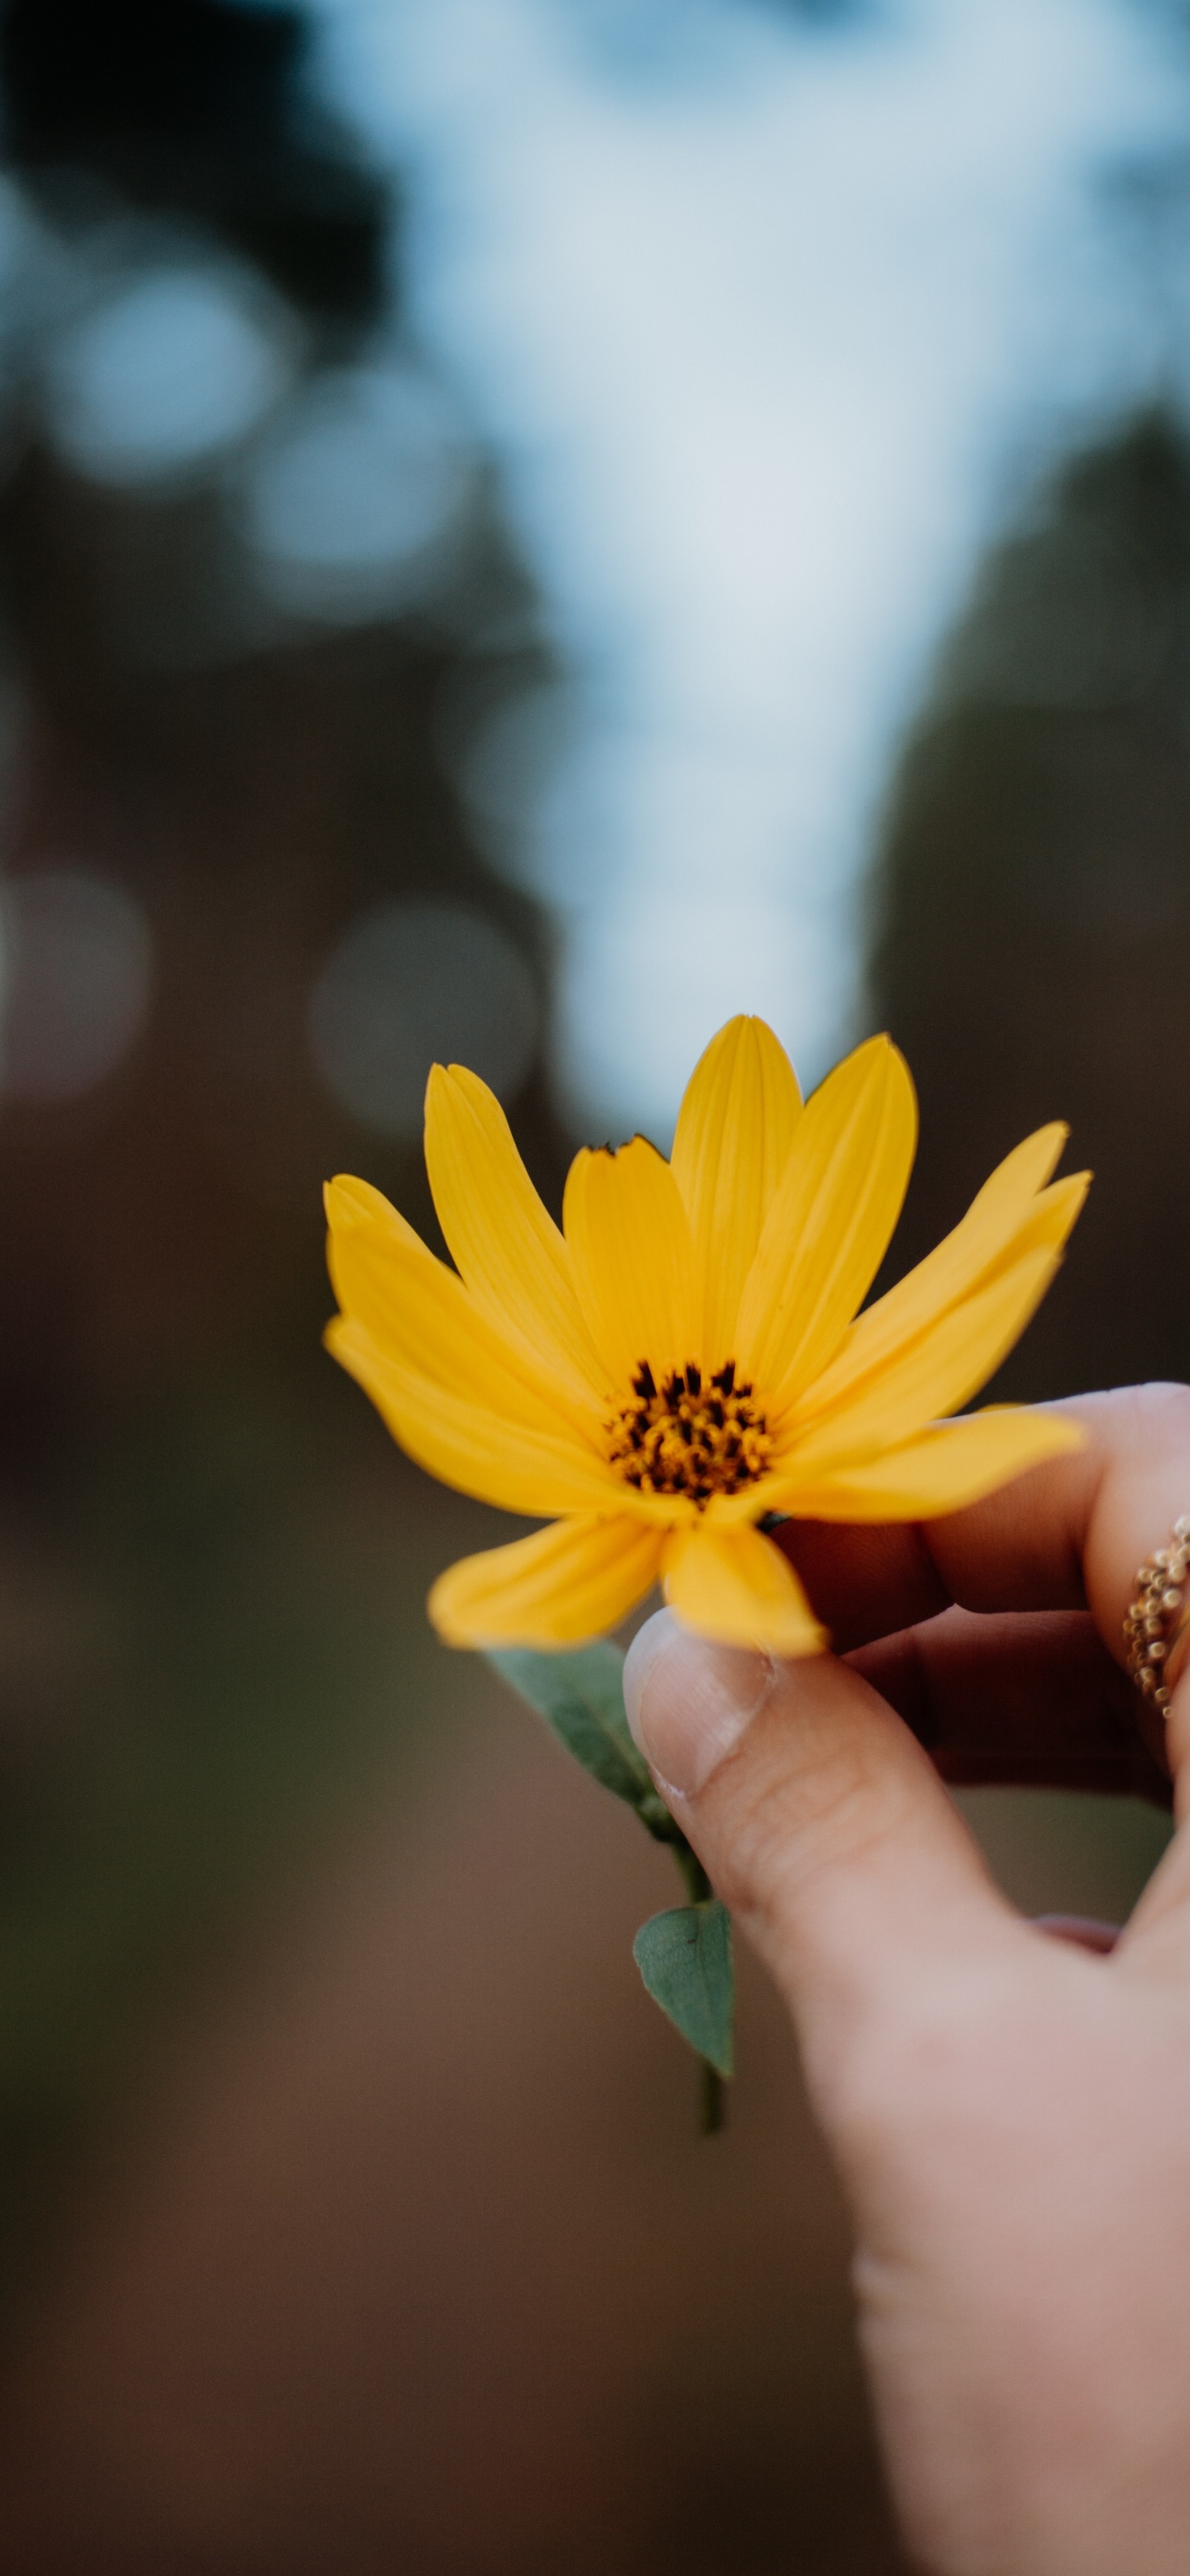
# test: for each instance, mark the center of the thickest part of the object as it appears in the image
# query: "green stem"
(712, 2092)
(712, 2099)
(698, 1885)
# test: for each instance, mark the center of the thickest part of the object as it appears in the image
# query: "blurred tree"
(199, 107)
(1031, 906)
(255, 782)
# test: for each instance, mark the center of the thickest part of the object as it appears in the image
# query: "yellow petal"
(735, 1586)
(629, 1237)
(1047, 1225)
(572, 1581)
(481, 1452)
(948, 1467)
(504, 1242)
(1012, 1213)
(938, 1372)
(412, 1306)
(829, 1224)
(735, 1128)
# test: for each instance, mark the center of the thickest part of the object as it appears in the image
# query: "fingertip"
(689, 1702)
(648, 1646)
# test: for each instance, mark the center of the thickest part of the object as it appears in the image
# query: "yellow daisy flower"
(686, 1355)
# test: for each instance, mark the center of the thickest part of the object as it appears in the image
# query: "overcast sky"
(770, 326)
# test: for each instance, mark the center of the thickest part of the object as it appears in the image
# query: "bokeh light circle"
(412, 984)
(506, 768)
(349, 500)
(170, 370)
(76, 973)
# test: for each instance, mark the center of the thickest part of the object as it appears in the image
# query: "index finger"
(1068, 1535)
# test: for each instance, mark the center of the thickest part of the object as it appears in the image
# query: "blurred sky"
(772, 318)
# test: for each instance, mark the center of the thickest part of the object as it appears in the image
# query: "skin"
(1010, 2112)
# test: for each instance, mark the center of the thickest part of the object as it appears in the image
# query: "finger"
(1085, 1930)
(1033, 1700)
(822, 1824)
(1157, 1935)
(1068, 1535)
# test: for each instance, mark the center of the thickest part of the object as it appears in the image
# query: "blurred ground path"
(417, 2264)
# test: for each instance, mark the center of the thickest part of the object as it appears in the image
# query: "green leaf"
(685, 1959)
(581, 1696)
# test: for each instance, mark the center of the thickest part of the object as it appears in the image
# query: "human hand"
(1010, 2113)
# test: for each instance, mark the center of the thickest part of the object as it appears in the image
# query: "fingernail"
(689, 1702)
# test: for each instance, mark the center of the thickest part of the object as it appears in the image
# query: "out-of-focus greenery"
(239, 1659)
(1031, 906)
(215, 1681)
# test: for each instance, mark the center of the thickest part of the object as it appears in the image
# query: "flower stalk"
(712, 2092)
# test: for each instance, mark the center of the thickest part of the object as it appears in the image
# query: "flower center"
(684, 1438)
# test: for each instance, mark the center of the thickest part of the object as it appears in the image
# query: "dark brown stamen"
(680, 1441)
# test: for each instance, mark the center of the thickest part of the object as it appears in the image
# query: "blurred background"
(526, 526)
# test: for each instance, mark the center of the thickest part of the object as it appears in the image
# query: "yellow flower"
(681, 1359)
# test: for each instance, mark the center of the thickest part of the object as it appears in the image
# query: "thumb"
(824, 1827)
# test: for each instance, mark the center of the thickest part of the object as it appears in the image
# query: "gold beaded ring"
(1157, 1621)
